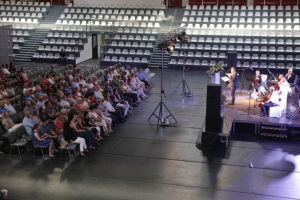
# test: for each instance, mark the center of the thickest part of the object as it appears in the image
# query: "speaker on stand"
(210, 137)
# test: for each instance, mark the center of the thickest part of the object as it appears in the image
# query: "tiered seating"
(111, 17)
(261, 36)
(244, 20)
(130, 47)
(22, 12)
(19, 36)
(117, 4)
(71, 41)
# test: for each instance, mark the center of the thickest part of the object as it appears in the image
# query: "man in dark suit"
(290, 76)
(233, 76)
(63, 56)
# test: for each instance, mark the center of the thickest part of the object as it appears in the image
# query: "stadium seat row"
(236, 7)
(114, 11)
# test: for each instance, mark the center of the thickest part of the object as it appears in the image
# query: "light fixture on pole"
(183, 39)
(162, 112)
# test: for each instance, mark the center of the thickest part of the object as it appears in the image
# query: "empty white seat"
(136, 59)
(118, 51)
(129, 59)
(106, 58)
(144, 60)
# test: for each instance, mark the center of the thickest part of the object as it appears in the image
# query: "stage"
(243, 120)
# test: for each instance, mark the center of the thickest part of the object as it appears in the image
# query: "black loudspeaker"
(213, 100)
(206, 140)
(231, 59)
(214, 124)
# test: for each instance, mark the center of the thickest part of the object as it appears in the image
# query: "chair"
(106, 58)
(17, 139)
(144, 60)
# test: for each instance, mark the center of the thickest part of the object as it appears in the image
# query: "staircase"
(53, 14)
(30, 46)
(156, 57)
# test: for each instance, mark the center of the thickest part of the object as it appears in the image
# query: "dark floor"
(138, 162)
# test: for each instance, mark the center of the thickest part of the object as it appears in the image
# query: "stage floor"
(140, 162)
(241, 111)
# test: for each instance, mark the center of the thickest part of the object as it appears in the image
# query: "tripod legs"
(185, 88)
(158, 113)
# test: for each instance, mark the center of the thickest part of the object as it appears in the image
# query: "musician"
(233, 76)
(283, 84)
(290, 76)
(284, 91)
(258, 80)
(273, 101)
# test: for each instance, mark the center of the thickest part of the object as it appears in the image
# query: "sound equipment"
(206, 140)
(231, 59)
(213, 100)
(214, 124)
(210, 138)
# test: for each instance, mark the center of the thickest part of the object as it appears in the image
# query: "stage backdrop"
(122, 3)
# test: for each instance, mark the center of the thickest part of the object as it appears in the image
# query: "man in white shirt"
(7, 105)
(273, 101)
(28, 122)
(64, 102)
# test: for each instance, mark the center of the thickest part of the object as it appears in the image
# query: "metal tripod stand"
(161, 112)
(185, 87)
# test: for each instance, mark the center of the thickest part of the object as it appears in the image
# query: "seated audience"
(41, 139)
(65, 108)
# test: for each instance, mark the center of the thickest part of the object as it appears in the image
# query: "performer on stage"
(290, 76)
(273, 101)
(284, 86)
(233, 76)
(258, 80)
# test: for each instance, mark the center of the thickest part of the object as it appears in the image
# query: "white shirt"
(40, 104)
(90, 85)
(82, 82)
(109, 107)
(5, 71)
(274, 97)
(75, 85)
(64, 103)
(10, 109)
(93, 115)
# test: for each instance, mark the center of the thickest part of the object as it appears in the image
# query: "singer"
(233, 76)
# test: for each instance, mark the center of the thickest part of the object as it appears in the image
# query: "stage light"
(170, 46)
(167, 46)
(182, 38)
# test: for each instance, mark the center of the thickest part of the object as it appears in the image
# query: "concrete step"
(22, 60)
(23, 57)
(27, 52)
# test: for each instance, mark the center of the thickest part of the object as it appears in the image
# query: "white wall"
(121, 3)
(87, 52)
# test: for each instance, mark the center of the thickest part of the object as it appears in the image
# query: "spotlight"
(182, 38)
(170, 47)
